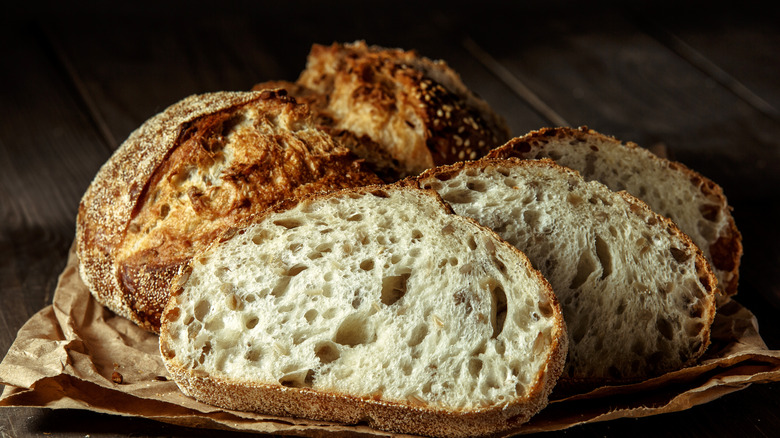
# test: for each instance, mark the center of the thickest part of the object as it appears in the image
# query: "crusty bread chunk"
(198, 168)
(696, 204)
(372, 305)
(637, 294)
(406, 112)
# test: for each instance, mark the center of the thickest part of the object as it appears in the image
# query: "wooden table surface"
(701, 82)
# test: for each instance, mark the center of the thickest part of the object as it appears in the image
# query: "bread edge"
(636, 207)
(731, 236)
(391, 416)
(108, 203)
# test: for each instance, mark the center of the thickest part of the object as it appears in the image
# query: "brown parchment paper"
(72, 354)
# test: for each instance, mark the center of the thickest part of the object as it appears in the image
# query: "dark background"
(698, 79)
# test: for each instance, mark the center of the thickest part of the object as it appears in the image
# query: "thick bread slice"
(416, 110)
(203, 165)
(637, 294)
(696, 204)
(369, 305)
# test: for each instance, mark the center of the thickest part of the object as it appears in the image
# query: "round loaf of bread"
(179, 181)
(373, 305)
(404, 112)
(695, 203)
(637, 294)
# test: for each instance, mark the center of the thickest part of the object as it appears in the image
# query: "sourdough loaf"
(696, 204)
(374, 305)
(637, 294)
(406, 112)
(201, 166)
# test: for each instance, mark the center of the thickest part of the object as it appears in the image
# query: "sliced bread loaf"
(696, 204)
(186, 175)
(637, 294)
(415, 111)
(372, 305)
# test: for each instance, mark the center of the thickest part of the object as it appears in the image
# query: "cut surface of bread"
(409, 112)
(201, 166)
(372, 305)
(696, 204)
(637, 295)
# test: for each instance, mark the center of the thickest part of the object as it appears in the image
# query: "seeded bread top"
(416, 111)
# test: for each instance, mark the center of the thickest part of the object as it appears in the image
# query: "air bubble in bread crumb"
(310, 315)
(201, 309)
(174, 314)
(288, 223)
(251, 322)
(326, 352)
(354, 330)
(394, 288)
(254, 354)
(477, 185)
(475, 367)
(418, 335)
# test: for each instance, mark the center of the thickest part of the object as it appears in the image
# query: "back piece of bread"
(696, 204)
(406, 112)
(637, 295)
(203, 165)
(372, 305)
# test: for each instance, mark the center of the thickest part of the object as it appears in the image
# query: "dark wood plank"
(49, 153)
(605, 72)
(133, 67)
(743, 59)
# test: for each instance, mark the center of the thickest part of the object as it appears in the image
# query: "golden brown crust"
(275, 399)
(724, 253)
(415, 111)
(205, 164)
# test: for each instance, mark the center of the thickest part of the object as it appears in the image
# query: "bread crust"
(724, 252)
(638, 208)
(409, 112)
(144, 213)
(377, 413)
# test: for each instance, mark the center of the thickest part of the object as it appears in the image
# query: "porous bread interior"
(382, 296)
(630, 290)
(701, 215)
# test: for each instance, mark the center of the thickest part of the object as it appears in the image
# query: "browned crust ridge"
(725, 252)
(131, 240)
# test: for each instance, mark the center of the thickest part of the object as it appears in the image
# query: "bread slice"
(372, 305)
(413, 110)
(198, 168)
(637, 294)
(696, 204)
